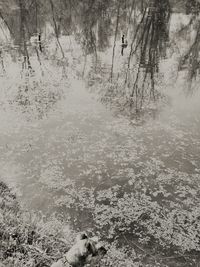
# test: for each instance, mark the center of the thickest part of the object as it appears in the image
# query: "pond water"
(83, 146)
(78, 159)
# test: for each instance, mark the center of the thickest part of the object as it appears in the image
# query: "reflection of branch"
(72, 6)
(152, 57)
(56, 28)
(39, 59)
(192, 55)
(85, 63)
(186, 56)
(149, 41)
(146, 30)
(136, 81)
(6, 23)
(116, 30)
(142, 91)
(2, 63)
(23, 34)
(36, 15)
(186, 27)
(130, 15)
(133, 41)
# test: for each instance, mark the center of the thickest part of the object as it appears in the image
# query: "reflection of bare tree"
(191, 59)
(88, 29)
(146, 21)
(149, 44)
(103, 31)
(115, 38)
(23, 35)
(192, 55)
(133, 6)
(56, 28)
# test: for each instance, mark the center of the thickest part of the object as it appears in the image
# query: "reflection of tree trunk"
(36, 16)
(39, 42)
(192, 57)
(84, 67)
(23, 34)
(132, 44)
(115, 38)
(2, 63)
(130, 16)
(56, 28)
(39, 60)
(149, 42)
(37, 26)
(93, 42)
(142, 5)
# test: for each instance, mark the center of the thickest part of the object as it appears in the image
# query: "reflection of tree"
(115, 38)
(103, 31)
(88, 25)
(191, 59)
(94, 21)
(23, 34)
(149, 45)
(56, 27)
(192, 55)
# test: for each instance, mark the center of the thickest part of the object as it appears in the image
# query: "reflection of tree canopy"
(93, 22)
